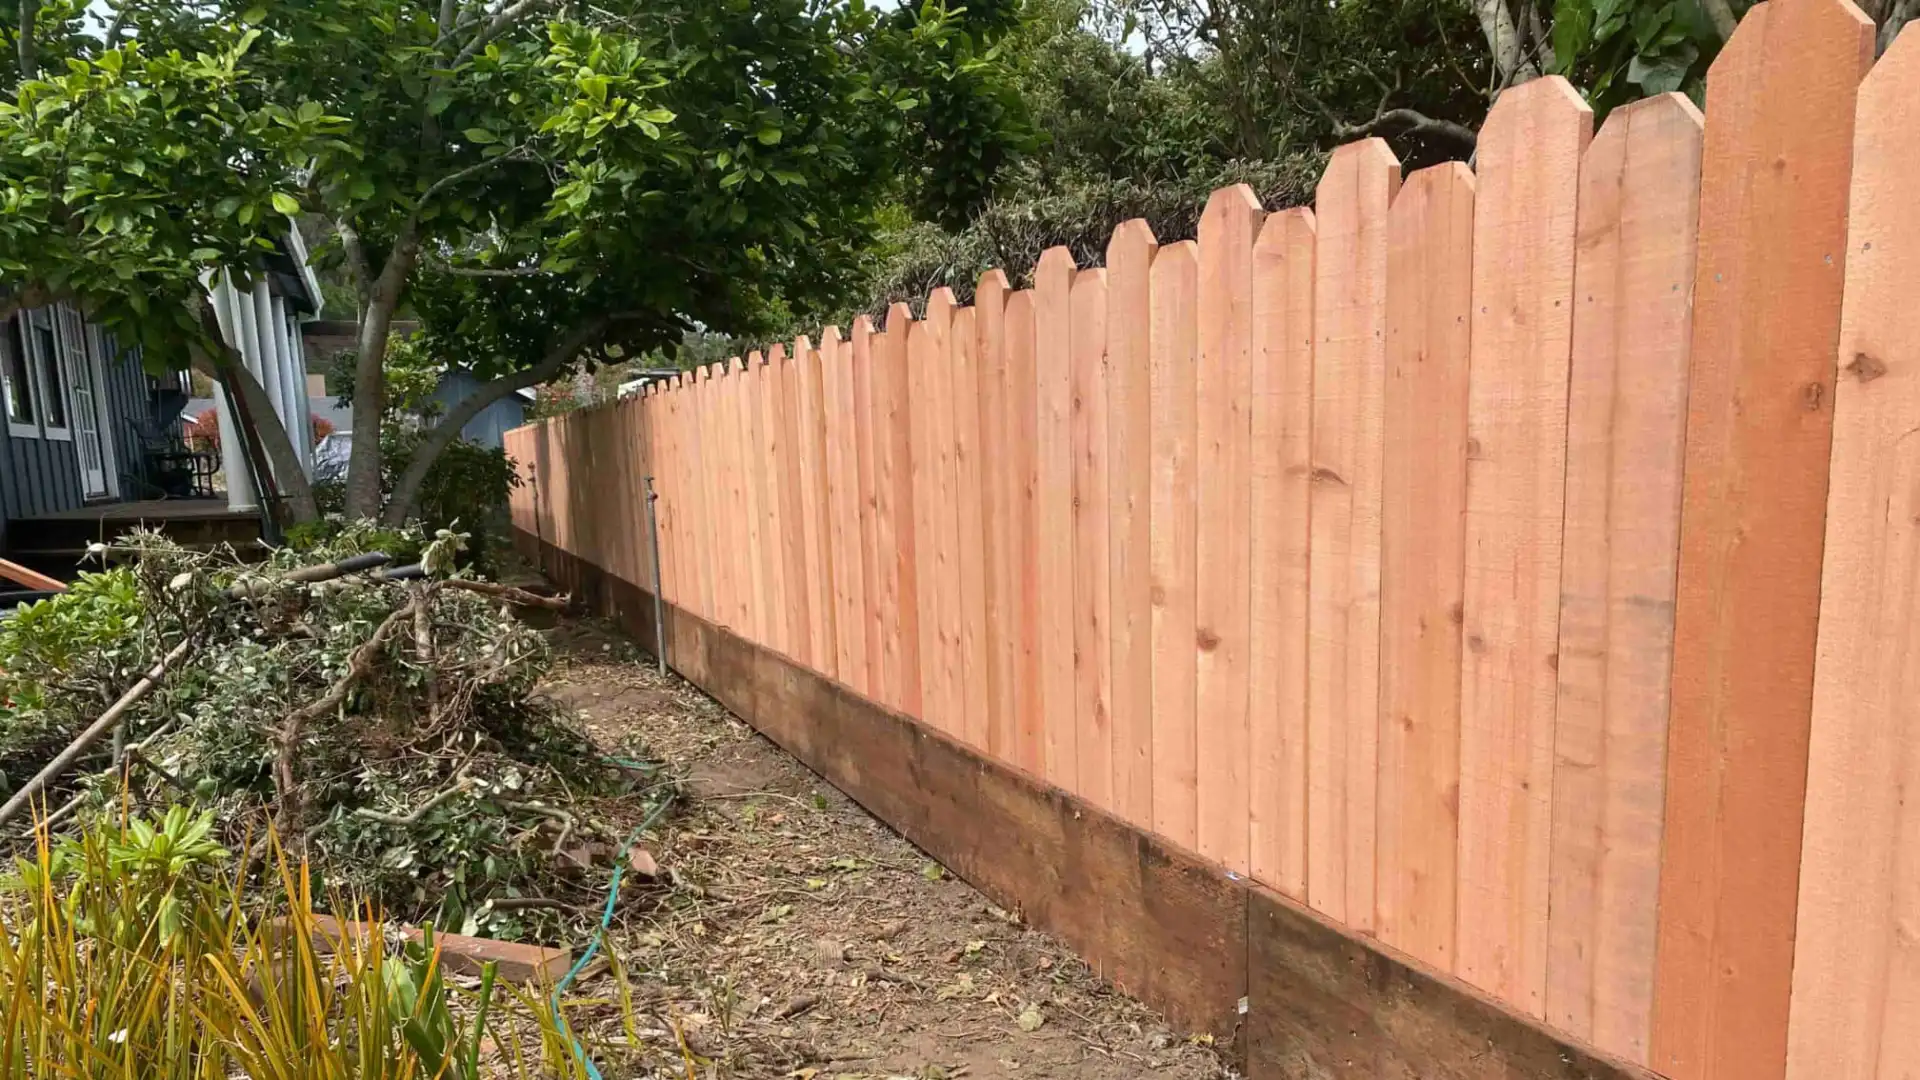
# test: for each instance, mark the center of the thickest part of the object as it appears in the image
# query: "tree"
(544, 183)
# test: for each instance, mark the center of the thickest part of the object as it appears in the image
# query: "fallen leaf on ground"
(1031, 1018)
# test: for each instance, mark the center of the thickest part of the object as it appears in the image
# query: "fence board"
(1343, 647)
(794, 578)
(843, 492)
(878, 669)
(1023, 540)
(1422, 559)
(773, 509)
(1175, 354)
(1129, 519)
(1282, 451)
(1092, 646)
(1626, 435)
(895, 525)
(990, 325)
(946, 501)
(924, 405)
(1053, 506)
(816, 506)
(1524, 220)
(1773, 219)
(1223, 393)
(759, 522)
(1855, 982)
(969, 540)
(729, 514)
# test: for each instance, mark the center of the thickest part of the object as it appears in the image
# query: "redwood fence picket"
(1514, 565)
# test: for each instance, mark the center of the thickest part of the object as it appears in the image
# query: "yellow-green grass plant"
(139, 951)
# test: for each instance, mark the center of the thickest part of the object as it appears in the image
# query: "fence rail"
(1505, 563)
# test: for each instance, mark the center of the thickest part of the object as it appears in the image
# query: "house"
(91, 444)
(327, 339)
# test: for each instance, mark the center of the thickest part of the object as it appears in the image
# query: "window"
(51, 382)
(16, 371)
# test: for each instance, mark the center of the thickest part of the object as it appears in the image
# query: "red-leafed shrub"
(204, 433)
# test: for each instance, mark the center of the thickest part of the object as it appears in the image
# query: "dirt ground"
(791, 935)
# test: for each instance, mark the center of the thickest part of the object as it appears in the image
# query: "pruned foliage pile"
(388, 729)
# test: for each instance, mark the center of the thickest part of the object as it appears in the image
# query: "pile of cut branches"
(385, 725)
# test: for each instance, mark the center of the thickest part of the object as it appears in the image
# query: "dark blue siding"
(492, 422)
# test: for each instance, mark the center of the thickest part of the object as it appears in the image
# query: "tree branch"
(490, 271)
(357, 264)
(498, 25)
(454, 177)
(1404, 122)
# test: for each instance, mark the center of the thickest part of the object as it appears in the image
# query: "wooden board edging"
(1289, 994)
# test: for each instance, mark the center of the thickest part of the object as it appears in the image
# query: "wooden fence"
(1505, 563)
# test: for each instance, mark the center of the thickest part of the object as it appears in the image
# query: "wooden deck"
(149, 511)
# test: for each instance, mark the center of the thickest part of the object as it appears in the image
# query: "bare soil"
(791, 935)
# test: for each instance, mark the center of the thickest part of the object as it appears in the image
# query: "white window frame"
(58, 369)
(29, 429)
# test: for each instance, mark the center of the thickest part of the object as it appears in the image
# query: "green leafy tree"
(545, 184)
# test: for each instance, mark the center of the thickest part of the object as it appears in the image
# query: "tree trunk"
(370, 382)
(29, 61)
(407, 491)
(1506, 42)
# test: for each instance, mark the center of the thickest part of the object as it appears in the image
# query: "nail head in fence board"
(1023, 539)
(881, 605)
(1053, 505)
(1093, 689)
(1343, 647)
(1129, 520)
(1223, 394)
(969, 511)
(1773, 220)
(895, 527)
(1523, 251)
(1282, 460)
(794, 498)
(926, 342)
(941, 314)
(1422, 556)
(843, 492)
(990, 325)
(1626, 438)
(1175, 350)
(816, 506)
(1854, 980)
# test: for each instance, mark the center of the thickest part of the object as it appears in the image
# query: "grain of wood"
(990, 325)
(1053, 507)
(1282, 430)
(1129, 518)
(1175, 354)
(1092, 644)
(1343, 624)
(1223, 395)
(1856, 986)
(1626, 436)
(1422, 559)
(1523, 250)
(969, 537)
(699, 480)
(1773, 220)
(878, 673)
(1023, 539)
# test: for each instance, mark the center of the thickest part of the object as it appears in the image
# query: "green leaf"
(768, 136)
(254, 15)
(480, 135)
(286, 203)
